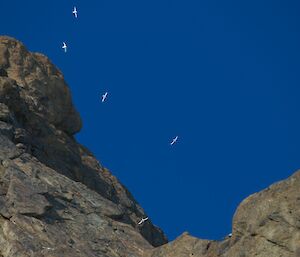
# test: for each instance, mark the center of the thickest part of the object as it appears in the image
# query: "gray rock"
(57, 200)
(8, 149)
(55, 197)
(25, 197)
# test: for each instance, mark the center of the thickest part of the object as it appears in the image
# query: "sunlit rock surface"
(57, 200)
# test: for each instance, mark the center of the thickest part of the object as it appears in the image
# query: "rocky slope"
(57, 200)
(266, 224)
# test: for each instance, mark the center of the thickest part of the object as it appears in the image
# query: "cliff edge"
(53, 192)
(57, 200)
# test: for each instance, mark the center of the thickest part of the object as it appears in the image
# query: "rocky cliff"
(57, 200)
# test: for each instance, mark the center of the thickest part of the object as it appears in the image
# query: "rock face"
(57, 200)
(55, 197)
(265, 224)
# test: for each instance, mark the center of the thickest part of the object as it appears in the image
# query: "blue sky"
(222, 75)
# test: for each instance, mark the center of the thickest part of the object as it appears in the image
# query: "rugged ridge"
(265, 224)
(54, 193)
(56, 199)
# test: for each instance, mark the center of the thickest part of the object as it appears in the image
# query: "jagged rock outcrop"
(265, 224)
(55, 197)
(57, 200)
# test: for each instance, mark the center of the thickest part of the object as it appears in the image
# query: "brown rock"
(41, 85)
(265, 224)
(55, 197)
(57, 200)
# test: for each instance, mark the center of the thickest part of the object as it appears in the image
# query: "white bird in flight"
(75, 12)
(143, 220)
(174, 140)
(104, 97)
(64, 46)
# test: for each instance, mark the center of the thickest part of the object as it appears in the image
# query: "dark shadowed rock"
(57, 200)
(3, 73)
